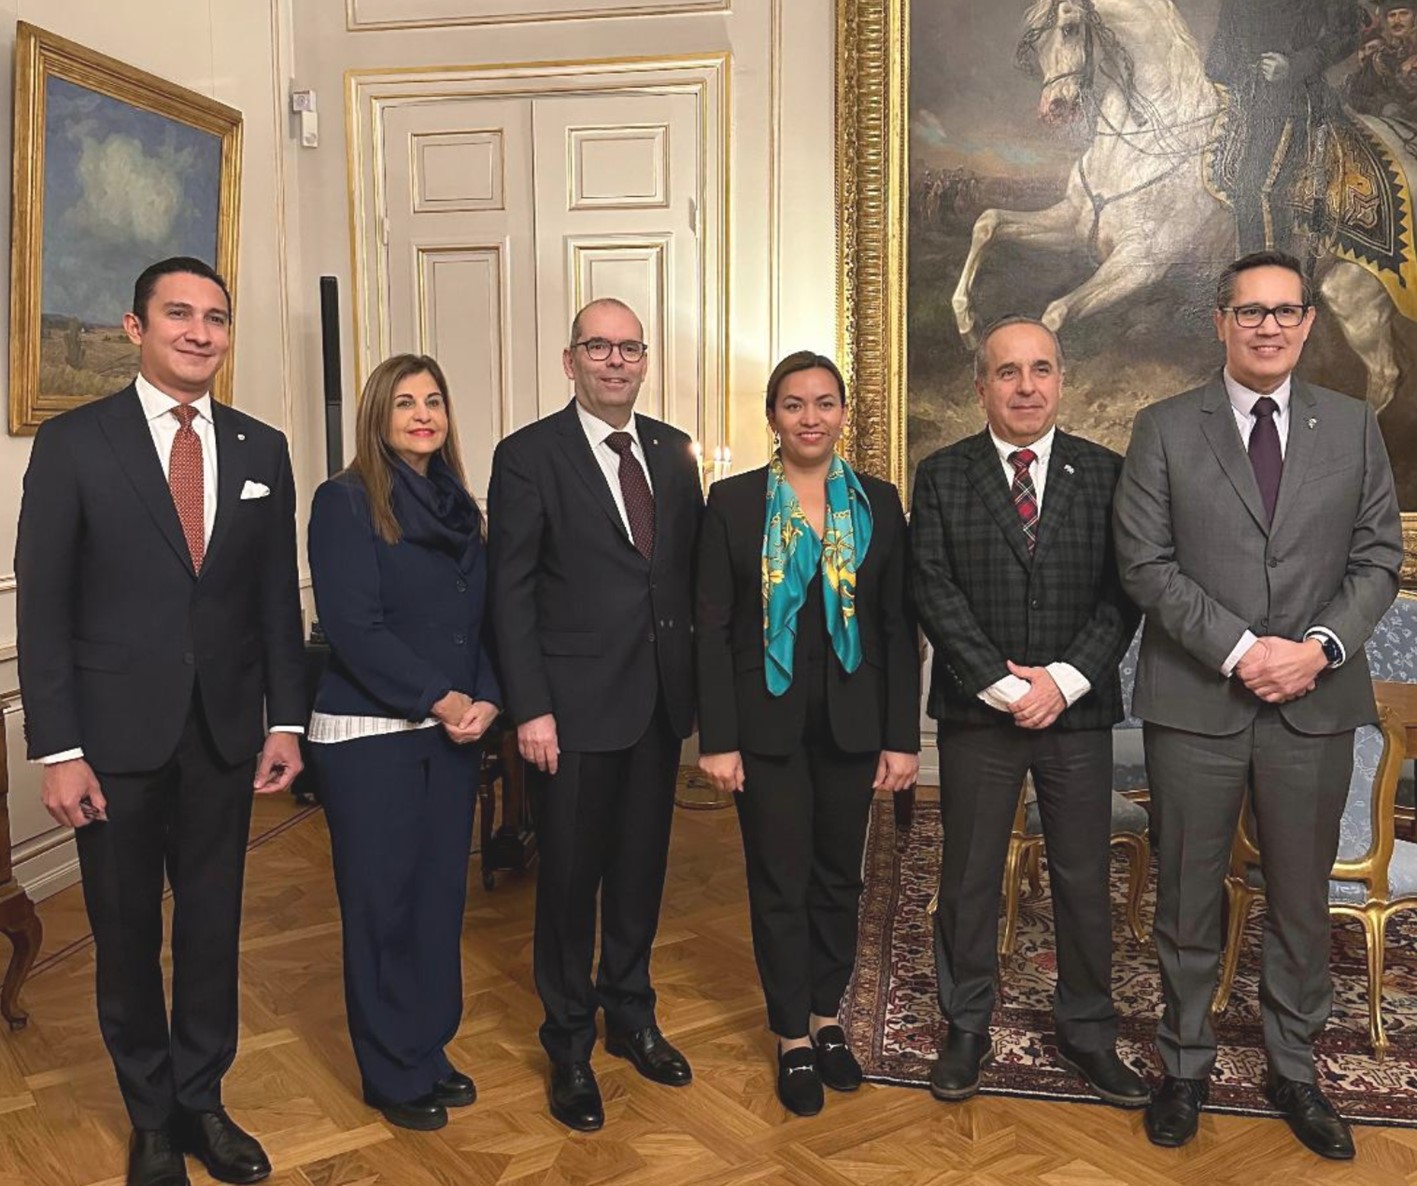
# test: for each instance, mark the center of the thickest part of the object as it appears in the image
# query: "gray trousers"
(1299, 784)
(981, 771)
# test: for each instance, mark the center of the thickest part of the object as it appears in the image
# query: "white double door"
(501, 216)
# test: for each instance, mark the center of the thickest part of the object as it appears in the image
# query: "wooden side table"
(17, 917)
(513, 844)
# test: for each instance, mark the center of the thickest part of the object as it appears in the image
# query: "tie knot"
(1264, 406)
(1021, 459)
(185, 413)
(620, 442)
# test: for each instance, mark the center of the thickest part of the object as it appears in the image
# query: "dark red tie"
(634, 487)
(1265, 456)
(185, 480)
(1024, 495)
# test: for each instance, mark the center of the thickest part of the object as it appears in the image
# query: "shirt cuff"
(54, 759)
(1325, 632)
(1002, 693)
(1247, 640)
(298, 730)
(1071, 682)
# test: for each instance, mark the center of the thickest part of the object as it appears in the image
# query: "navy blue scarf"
(436, 512)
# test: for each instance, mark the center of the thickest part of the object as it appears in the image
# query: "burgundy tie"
(1024, 495)
(1265, 456)
(185, 479)
(634, 487)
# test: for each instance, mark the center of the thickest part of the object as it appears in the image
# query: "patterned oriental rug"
(893, 1022)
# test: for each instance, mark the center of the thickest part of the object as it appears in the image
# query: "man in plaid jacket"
(1016, 585)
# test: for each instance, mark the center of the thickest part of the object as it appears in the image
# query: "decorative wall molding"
(363, 16)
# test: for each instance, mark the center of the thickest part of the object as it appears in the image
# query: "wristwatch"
(1332, 651)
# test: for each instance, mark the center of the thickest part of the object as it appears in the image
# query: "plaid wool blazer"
(983, 599)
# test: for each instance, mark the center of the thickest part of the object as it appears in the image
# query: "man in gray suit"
(1261, 577)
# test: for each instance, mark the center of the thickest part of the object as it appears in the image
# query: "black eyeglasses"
(599, 349)
(1252, 316)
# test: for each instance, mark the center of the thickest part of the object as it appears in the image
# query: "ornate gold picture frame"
(873, 196)
(114, 169)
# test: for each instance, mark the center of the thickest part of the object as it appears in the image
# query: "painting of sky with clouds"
(122, 188)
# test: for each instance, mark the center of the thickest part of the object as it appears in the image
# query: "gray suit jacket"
(1196, 554)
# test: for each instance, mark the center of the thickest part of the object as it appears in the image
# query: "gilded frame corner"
(872, 196)
(40, 55)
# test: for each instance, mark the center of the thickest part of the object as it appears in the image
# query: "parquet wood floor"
(295, 1083)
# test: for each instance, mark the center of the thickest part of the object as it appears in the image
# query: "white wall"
(294, 208)
(780, 166)
(228, 50)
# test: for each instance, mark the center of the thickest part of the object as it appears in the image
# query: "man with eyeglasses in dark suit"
(1257, 528)
(593, 518)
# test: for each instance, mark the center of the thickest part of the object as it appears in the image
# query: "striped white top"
(329, 728)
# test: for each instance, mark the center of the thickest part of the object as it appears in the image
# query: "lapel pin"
(1067, 469)
(1312, 421)
(654, 440)
(241, 436)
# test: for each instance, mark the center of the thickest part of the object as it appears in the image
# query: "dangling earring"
(776, 440)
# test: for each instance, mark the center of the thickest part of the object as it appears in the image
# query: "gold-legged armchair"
(1374, 877)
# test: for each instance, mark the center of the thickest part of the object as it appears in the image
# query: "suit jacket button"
(188, 658)
(1034, 603)
(1273, 563)
(462, 586)
(459, 639)
(651, 636)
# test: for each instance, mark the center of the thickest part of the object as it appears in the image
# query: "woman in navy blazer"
(400, 576)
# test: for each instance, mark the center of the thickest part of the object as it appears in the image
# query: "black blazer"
(583, 625)
(115, 629)
(404, 620)
(877, 707)
(983, 599)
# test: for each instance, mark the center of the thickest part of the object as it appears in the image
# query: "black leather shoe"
(455, 1090)
(229, 1152)
(154, 1160)
(836, 1065)
(799, 1086)
(651, 1054)
(955, 1075)
(1107, 1075)
(1174, 1113)
(575, 1096)
(1314, 1120)
(427, 1113)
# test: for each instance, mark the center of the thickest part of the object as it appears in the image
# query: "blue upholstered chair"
(1392, 655)
(1374, 877)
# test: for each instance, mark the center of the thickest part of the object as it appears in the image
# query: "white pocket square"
(254, 489)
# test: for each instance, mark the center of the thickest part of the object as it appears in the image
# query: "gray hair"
(981, 351)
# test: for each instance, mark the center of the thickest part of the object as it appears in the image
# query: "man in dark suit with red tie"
(159, 641)
(593, 517)
(1016, 586)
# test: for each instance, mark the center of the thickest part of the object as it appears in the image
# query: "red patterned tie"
(634, 487)
(185, 479)
(1024, 495)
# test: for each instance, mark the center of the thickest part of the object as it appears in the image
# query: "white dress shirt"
(163, 426)
(1242, 404)
(596, 432)
(1003, 693)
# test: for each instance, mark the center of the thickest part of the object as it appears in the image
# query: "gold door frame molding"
(369, 93)
(872, 154)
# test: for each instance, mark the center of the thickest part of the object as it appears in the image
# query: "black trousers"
(191, 818)
(602, 827)
(803, 818)
(981, 771)
(400, 812)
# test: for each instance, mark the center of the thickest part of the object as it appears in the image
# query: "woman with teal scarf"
(809, 703)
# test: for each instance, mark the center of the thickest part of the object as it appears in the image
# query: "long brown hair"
(374, 459)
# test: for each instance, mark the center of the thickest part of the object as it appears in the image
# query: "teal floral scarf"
(792, 554)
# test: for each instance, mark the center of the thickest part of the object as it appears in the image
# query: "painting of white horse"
(1079, 192)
